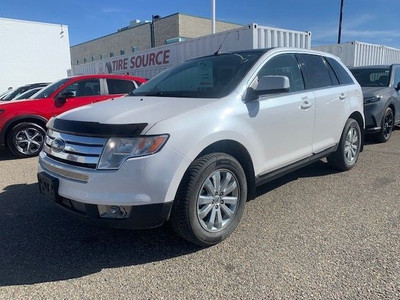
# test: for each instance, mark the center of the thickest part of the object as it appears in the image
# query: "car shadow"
(318, 168)
(6, 154)
(369, 139)
(40, 243)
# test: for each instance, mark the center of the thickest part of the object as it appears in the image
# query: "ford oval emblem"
(58, 145)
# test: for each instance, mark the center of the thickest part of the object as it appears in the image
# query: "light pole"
(212, 16)
(340, 21)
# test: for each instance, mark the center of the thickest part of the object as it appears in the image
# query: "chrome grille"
(73, 149)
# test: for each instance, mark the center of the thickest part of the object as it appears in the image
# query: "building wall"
(138, 37)
(173, 26)
(166, 28)
(191, 26)
(32, 52)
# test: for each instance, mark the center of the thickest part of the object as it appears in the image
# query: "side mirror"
(61, 98)
(272, 84)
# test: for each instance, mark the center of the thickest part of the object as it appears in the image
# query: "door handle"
(342, 96)
(306, 104)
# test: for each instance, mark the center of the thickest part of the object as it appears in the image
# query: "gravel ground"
(313, 234)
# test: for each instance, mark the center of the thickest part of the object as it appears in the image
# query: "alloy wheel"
(218, 200)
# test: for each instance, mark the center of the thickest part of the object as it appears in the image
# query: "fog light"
(114, 211)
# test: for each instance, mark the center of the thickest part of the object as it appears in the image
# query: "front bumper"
(146, 184)
(141, 216)
(373, 113)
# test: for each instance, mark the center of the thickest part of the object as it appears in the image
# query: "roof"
(111, 76)
(373, 67)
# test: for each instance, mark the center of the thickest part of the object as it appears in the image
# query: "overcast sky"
(371, 21)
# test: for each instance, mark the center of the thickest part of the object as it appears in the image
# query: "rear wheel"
(346, 155)
(26, 139)
(387, 126)
(210, 200)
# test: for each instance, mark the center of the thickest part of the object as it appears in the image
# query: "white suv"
(191, 145)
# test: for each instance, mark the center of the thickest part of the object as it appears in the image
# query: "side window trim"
(103, 86)
(302, 71)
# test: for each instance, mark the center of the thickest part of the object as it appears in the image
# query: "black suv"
(381, 89)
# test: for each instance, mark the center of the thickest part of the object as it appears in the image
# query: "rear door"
(331, 101)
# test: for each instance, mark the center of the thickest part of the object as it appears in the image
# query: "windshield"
(207, 77)
(2, 96)
(14, 93)
(46, 92)
(372, 77)
(28, 93)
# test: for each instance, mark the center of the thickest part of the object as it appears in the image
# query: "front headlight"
(117, 150)
(368, 100)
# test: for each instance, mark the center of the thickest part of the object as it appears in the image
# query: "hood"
(14, 103)
(129, 110)
(375, 91)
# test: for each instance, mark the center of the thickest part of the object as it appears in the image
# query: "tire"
(386, 127)
(210, 200)
(26, 139)
(346, 155)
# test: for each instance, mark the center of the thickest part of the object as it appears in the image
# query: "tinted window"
(83, 88)
(344, 77)
(373, 77)
(285, 65)
(28, 93)
(316, 71)
(332, 74)
(116, 86)
(46, 92)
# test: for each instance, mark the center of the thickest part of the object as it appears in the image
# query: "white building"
(32, 52)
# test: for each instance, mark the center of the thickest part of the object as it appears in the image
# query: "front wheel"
(26, 139)
(387, 126)
(210, 200)
(346, 155)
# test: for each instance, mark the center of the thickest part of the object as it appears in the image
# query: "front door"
(285, 121)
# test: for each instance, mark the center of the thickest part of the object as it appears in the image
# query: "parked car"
(193, 143)
(28, 93)
(23, 122)
(381, 88)
(5, 93)
(22, 89)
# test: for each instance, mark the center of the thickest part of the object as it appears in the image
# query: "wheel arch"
(360, 120)
(392, 106)
(240, 153)
(21, 119)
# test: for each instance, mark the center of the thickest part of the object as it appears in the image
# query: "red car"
(23, 122)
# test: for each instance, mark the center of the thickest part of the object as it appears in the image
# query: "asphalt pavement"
(313, 234)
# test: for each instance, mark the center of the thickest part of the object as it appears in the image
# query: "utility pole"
(212, 16)
(340, 21)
